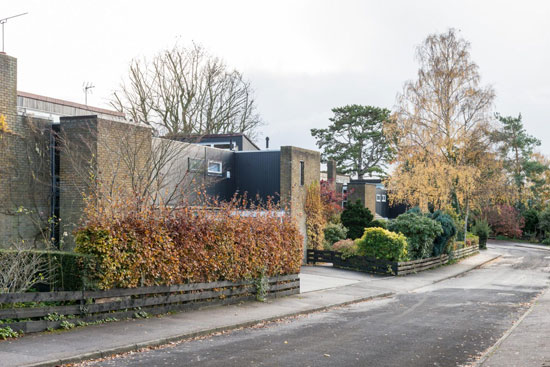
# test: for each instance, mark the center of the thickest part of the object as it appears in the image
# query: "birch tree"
(441, 131)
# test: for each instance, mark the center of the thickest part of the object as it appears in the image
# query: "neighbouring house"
(50, 146)
(370, 192)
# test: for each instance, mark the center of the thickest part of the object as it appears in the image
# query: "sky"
(302, 58)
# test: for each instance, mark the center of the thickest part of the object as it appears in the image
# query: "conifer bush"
(356, 218)
(420, 232)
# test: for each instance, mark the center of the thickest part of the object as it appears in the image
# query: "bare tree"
(22, 269)
(188, 91)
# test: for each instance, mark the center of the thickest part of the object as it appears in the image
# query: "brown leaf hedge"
(165, 246)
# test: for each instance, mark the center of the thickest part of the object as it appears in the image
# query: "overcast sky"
(302, 57)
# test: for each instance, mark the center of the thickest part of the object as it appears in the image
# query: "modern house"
(49, 145)
(370, 192)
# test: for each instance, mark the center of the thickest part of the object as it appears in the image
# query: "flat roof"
(69, 104)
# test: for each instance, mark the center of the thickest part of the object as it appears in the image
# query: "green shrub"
(378, 224)
(482, 230)
(420, 231)
(383, 244)
(531, 217)
(334, 232)
(544, 222)
(356, 218)
(442, 242)
(347, 248)
(546, 241)
(472, 239)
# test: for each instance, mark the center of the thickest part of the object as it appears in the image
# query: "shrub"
(546, 241)
(377, 224)
(315, 220)
(383, 244)
(544, 222)
(334, 232)
(50, 269)
(356, 218)
(472, 239)
(347, 248)
(442, 242)
(504, 220)
(458, 222)
(331, 201)
(163, 246)
(420, 231)
(482, 230)
(531, 218)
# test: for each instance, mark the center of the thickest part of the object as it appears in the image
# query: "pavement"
(526, 343)
(322, 288)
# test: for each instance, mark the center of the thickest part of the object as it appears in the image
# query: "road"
(449, 323)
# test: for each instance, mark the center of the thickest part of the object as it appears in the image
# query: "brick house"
(95, 140)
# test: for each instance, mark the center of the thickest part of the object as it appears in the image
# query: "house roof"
(69, 104)
(200, 138)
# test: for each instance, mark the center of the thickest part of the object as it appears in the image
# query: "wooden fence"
(378, 266)
(464, 252)
(90, 306)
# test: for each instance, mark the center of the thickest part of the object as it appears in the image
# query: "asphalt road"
(446, 324)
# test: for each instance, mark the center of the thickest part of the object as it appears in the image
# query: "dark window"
(302, 173)
(195, 165)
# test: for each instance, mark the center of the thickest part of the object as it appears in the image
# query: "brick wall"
(25, 180)
(366, 193)
(98, 154)
(293, 192)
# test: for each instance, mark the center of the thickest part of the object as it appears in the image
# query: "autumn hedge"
(163, 246)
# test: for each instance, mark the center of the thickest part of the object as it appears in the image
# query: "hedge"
(188, 245)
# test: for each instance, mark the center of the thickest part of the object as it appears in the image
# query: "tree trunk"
(466, 220)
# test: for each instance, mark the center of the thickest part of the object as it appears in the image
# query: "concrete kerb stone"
(173, 339)
(466, 270)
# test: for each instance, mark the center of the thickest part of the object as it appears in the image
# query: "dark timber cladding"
(258, 173)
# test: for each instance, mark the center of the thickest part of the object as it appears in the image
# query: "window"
(378, 198)
(215, 167)
(302, 173)
(383, 198)
(194, 164)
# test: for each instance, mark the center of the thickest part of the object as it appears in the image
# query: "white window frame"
(378, 198)
(216, 172)
(383, 198)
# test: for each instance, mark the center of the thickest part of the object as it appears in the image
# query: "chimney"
(267, 142)
(331, 170)
(8, 91)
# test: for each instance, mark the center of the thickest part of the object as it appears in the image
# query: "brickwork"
(293, 193)
(25, 180)
(97, 154)
(366, 193)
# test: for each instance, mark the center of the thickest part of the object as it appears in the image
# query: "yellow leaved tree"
(441, 132)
